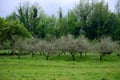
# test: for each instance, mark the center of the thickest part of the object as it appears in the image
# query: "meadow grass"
(88, 67)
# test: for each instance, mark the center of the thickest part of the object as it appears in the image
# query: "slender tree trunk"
(73, 56)
(80, 54)
(33, 53)
(101, 56)
(47, 56)
(13, 52)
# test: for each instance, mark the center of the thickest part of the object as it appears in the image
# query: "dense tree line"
(90, 18)
(30, 30)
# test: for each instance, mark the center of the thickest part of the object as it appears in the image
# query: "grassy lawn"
(88, 67)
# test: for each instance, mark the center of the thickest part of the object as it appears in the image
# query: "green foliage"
(12, 17)
(90, 19)
(93, 19)
(118, 8)
(31, 31)
(82, 11)
(116, 30)
(28, 15)
(3, 28)
(15, 28)
(97, 21)
(60, 13)
(10, 31)
(46, 26)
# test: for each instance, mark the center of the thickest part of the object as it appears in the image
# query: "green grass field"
(89, 67)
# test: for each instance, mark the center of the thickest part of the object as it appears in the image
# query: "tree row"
(62, 45)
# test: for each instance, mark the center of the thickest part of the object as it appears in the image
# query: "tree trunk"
(33, 53)
(47, 55)
(80, 54)
(73, 56)
(101, 56)
(13, 52)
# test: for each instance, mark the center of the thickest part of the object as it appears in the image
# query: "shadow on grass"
(84, 58)
(68, 57)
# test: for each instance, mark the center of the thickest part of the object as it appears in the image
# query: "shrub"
(20, 46)
(25, 45)
(33, 46)
(47, 48)
(83, 45)
(106, 46)
(72, 45)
